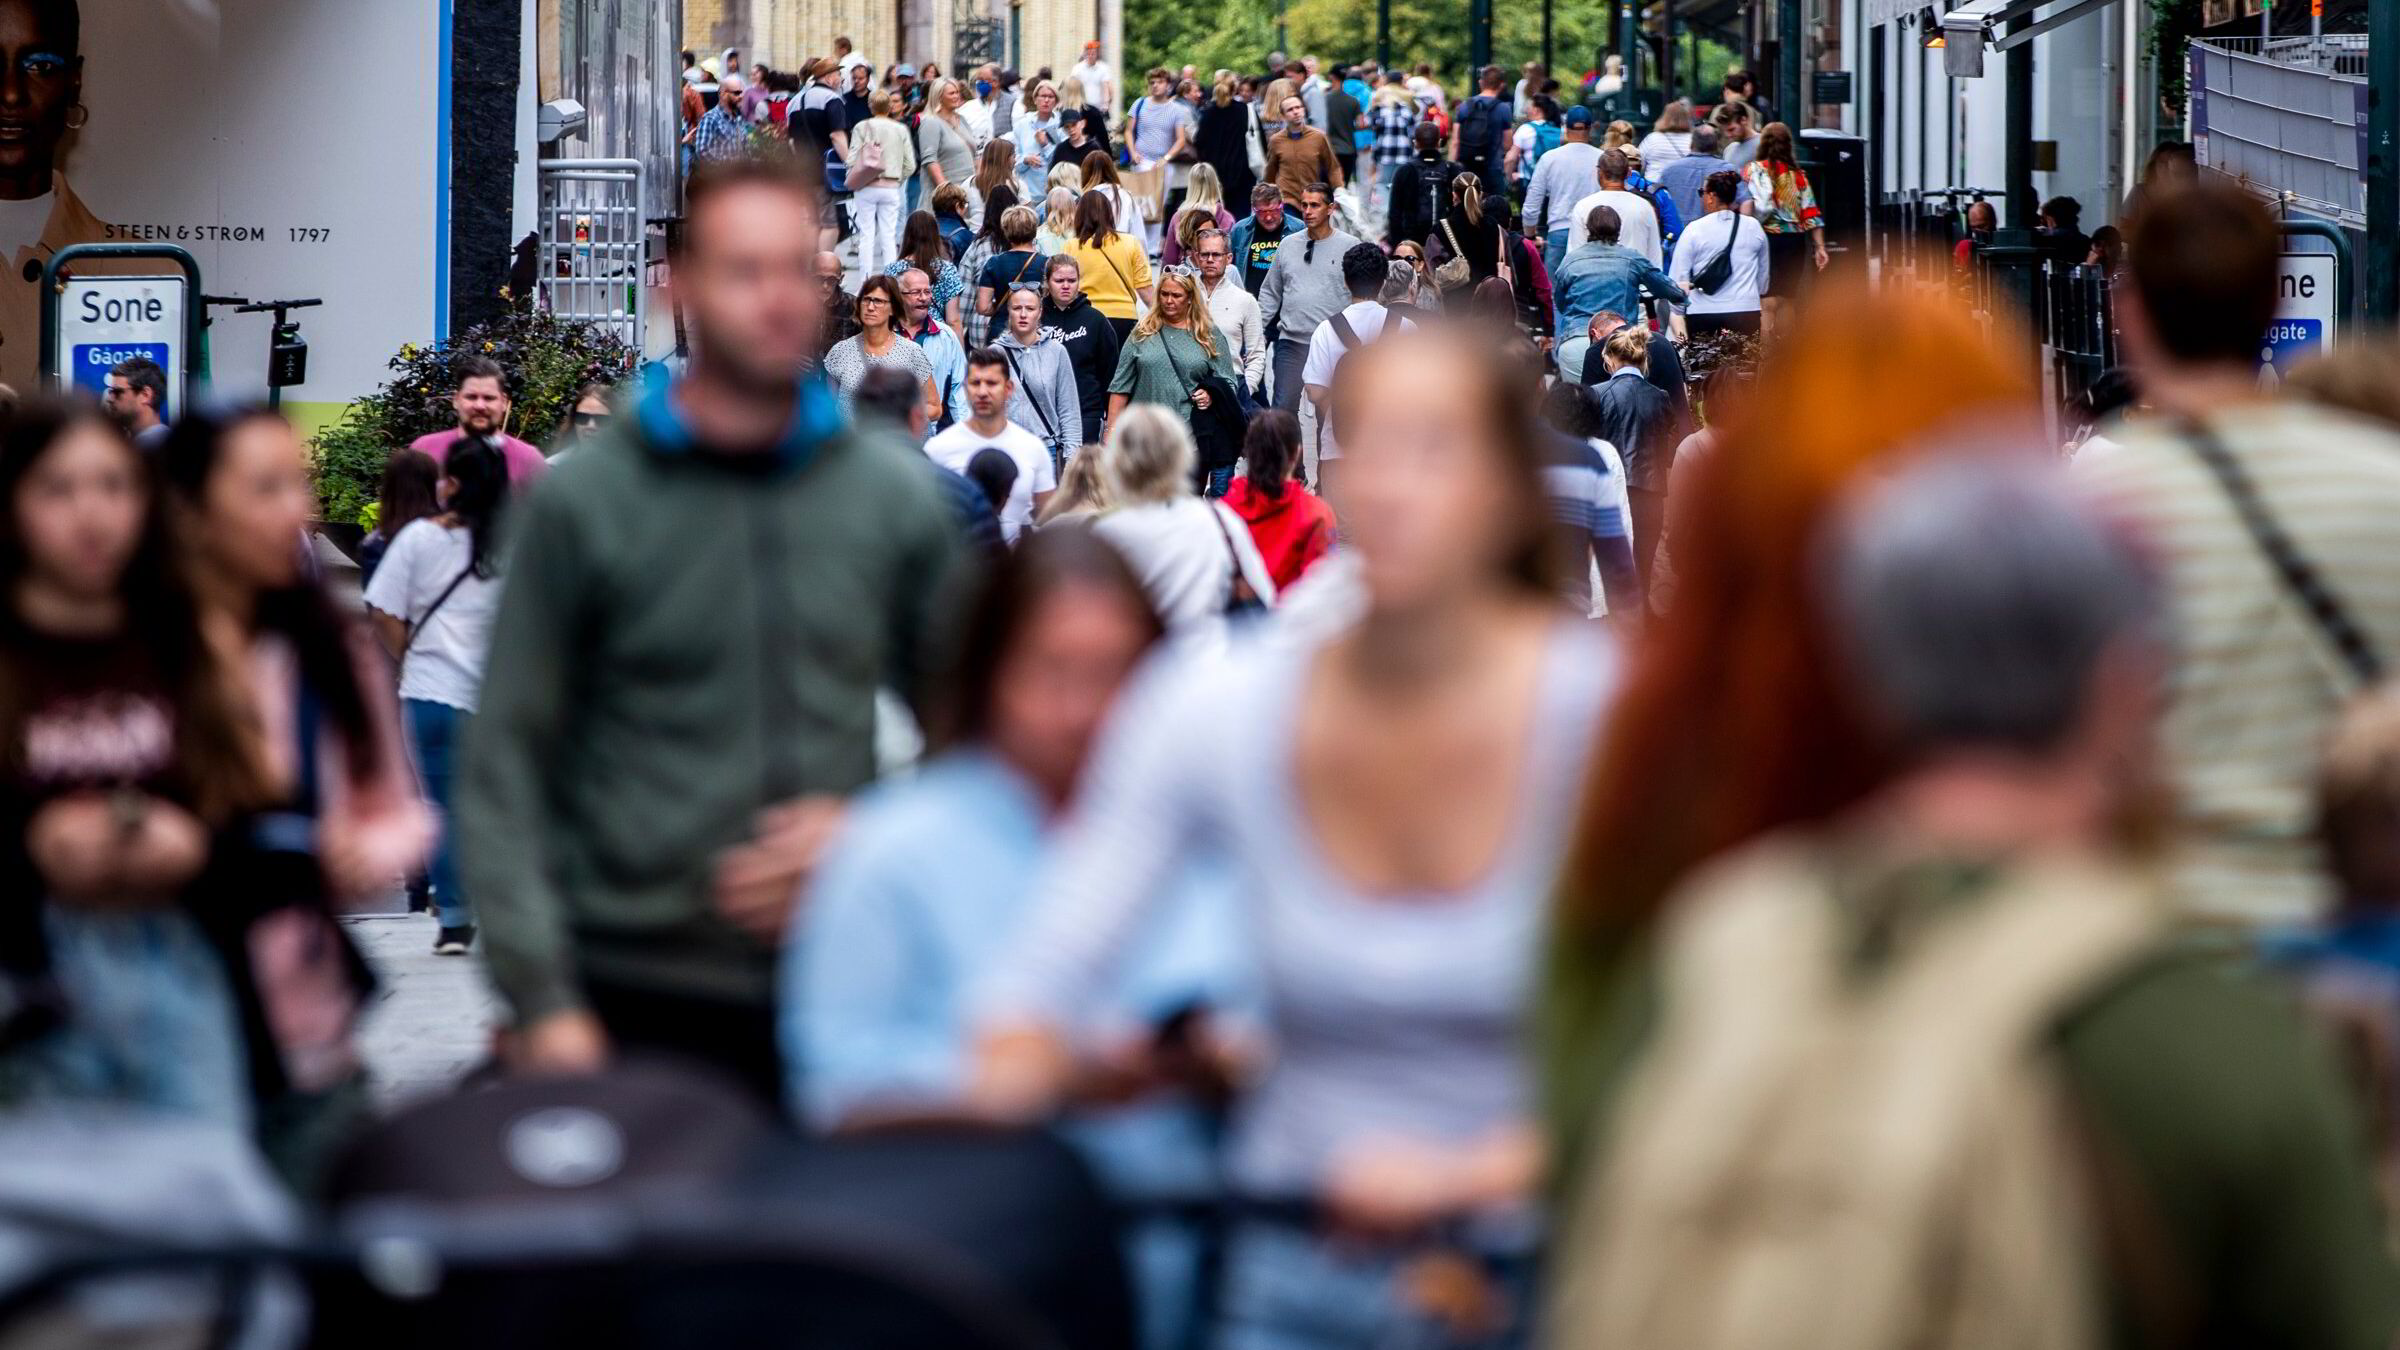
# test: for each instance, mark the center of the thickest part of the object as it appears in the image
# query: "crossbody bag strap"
(1112, 266)
(2292, 567)
(1048, 429)
(436, 607)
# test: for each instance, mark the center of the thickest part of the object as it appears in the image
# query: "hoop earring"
(78, 117)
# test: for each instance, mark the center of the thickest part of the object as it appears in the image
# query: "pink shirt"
(525, 463)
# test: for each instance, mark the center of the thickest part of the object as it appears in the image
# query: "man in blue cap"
(1563, 178)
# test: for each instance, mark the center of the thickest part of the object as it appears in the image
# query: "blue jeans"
(1554, 251)
(1291, 357)
(438, 729)
(1286, 1289)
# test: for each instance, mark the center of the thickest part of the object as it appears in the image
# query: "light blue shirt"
(925, 890)
(949, 357)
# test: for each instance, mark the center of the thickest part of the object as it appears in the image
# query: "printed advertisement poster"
(289, 145)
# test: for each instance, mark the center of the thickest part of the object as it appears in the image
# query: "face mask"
(983, 89)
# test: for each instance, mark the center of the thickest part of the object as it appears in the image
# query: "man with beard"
(683, 675)
(482, 405)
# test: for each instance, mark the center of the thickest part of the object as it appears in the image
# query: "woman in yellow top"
(1116, 269)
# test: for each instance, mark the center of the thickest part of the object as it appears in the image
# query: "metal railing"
(594, 244)
(2331, 53)
(2286, 116)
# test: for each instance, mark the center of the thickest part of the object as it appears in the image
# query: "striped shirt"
(2256, 684)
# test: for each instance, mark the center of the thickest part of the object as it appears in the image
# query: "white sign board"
(105, 320)
(2305, 317)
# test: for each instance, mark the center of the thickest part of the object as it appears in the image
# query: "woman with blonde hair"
(945, 146)
(1194, 557)
(1470, 229)
(1171, 360)
(1082, 490)
(1036, 135)
(1620, 135)
(1203, 208)
(1057, 233)
(1669, 140)
(1223, 142)
(883, 155)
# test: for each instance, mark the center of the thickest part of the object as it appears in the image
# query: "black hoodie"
(1091, 347)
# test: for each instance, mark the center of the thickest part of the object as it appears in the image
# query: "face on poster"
(289, 145)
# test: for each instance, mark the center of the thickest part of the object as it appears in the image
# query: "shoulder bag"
(1718, 270)
(1457, 271)
(1216, 429)
(436, 607)
(1049, 428)
(2299, 576)
(1240, 596)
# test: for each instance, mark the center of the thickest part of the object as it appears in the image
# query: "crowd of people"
(1588, 827)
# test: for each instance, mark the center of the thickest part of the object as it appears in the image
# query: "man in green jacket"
(683, 673)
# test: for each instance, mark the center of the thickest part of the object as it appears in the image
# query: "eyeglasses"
(590, 421)
(1213, 256)
(866, 300)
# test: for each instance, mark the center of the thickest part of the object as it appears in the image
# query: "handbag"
(1240, 596)
(1718, 270)
(1457, 271)
(1218, 428)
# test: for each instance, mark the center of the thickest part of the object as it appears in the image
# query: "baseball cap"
(1070, 114)
(1579, 116)
(906, 69)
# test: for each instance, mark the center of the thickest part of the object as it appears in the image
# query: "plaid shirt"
(1393, 126)
(720, 135)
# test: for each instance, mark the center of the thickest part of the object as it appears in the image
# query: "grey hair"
(1149, 456)
(1705, 139)
(1974, 597)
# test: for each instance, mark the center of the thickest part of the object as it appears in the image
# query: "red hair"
(1733, 721)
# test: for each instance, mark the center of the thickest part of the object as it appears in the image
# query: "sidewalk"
(433, 1019)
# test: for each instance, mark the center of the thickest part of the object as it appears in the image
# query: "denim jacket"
(1606, 276)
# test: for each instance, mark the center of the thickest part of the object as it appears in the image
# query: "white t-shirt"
(1637, 223)
(1702, 241)
(1326, 350)
(1099, 84)
(445, 662)
(953, 448)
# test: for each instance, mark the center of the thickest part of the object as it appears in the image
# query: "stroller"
(644, 1210)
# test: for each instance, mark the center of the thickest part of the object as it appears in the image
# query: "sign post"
(92, 321)
(2312, 297)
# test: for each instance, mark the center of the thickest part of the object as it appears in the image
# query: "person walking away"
(943, 351)
(1114, 268)
(1723, 264)
(1374, 1077)
(986, 288)
(410, 492)
(1221, 138)
(2259, 509)
(990, 389)
(1999, 975)
(1203, 209)
(1392, 122)
(1343, 120)
(1559, 181)
(882, 311)
(1044, 400)
(1232, 311)
(1304, 288)
(995, 169)
(1195, 558)
(1665, 370)
(1638, 225)
(136, 397)
(1600, 277)
(482, 404)
(1292, 526)
(883, 155)
(1787, 210)
(1683, 179)
(1591, 518)
(1632, 415)
(950, 218)
(1176, 359)
(644, 909)
(1257, 236)
(342, 819)
(1037, 137)
(1420, 190)
(127, 748)
(1535, 136)
(1479, 139)
(1300, 154)
(1470, 233)
(1366, 319)
(1057, 234)
(432, 603)
(1670, 138)
(1090, 339)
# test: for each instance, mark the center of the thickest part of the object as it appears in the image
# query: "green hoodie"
(685, 639)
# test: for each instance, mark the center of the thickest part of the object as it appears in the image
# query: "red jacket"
(1292, 531)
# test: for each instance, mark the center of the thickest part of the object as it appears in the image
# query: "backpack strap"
(1343, 330)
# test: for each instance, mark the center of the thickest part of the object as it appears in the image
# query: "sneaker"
(454, 941)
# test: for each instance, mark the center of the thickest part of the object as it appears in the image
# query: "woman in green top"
(1170, 350)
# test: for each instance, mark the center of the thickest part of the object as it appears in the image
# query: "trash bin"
(1836, 164)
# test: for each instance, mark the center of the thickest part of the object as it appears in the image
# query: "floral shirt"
(1784, 203)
